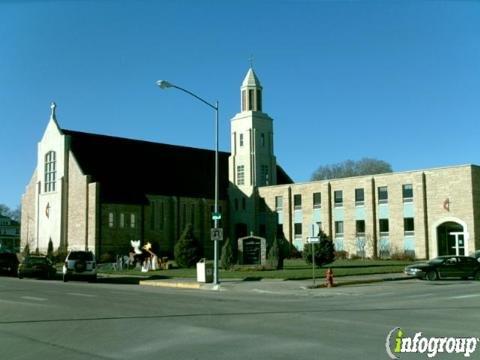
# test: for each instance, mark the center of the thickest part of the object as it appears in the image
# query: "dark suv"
(80, 264)
(8, 263)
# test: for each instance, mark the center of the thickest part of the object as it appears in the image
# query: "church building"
(81, 197)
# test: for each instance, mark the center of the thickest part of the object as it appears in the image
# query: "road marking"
(17, 302)
(32, 298)
(80, 294)
(418, 296)
(381, 294)
(464, 296)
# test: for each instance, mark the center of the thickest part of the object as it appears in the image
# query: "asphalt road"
(52, 320)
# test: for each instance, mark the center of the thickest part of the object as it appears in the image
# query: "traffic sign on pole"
(216, 216)
(216, 234)
(313, 239)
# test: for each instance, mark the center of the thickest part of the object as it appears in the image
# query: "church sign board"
(252, 250)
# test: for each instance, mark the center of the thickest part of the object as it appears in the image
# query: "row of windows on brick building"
(383, 226)
(382, 192)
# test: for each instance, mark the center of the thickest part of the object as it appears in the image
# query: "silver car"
(80, 264)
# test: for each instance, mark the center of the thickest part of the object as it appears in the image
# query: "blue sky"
(393, 80)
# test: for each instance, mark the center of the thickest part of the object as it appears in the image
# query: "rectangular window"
(317, 200)
(297, 201)
(111, 220)
(240, 175)
(259, 100)
(383, 226)
(360, 227)
(298, 230)
(382, 195)
(359, 197)
(338, 198)
(152, 215)
(132, 221)
(264, 172)
(241, 139)
(251, 97)
(161, 215)
(338, 228)
(409, 226)
(122, 220)
(244, 100)
(278, 203)
(407, 192)
(50, 171)
(262, 139)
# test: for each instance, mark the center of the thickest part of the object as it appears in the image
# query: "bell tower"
(252, 162)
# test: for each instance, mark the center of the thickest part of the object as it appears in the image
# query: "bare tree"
(12, 214)
(348, 168)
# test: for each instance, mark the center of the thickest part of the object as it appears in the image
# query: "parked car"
(476, 255)
(8, 263)
(37, 266)
(80, 264)
(443, 267)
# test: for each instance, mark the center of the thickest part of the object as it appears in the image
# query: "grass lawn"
(294, 269)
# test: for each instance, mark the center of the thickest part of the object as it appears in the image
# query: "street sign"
(216, 216)
(216, 234)
(313, 239)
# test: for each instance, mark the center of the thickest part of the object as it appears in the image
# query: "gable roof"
(128, 170)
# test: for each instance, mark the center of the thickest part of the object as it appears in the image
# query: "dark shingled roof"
(129, 169)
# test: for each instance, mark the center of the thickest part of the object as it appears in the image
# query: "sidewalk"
(273, 285)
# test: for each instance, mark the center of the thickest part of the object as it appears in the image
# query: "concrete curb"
(191, 284)
(171, 284)
(360, 282)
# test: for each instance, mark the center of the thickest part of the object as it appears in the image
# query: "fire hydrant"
(329, 278)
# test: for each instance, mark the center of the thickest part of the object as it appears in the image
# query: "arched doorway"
(451, 239)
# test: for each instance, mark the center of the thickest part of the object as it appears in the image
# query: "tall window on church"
(152, 215)
(264, 172)
(240, 175)
(122, 220)
(50, 171)
(259, 100)
(241, 139)
(132, 221)
(244, 99)
(251, 99)
(262, 139)
(161, 216)
(111, 220)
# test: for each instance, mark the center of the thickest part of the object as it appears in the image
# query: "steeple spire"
(53, 116)
(251, 92)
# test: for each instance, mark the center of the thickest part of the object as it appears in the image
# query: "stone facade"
(383, 214)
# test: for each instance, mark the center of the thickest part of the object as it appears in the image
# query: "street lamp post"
(163, 84)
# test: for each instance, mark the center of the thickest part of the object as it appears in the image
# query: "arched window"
(50, 171)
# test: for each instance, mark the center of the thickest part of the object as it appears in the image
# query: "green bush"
(50, 249)
(60, 254)
(187, 251)
(324, 252)
(227, 260)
